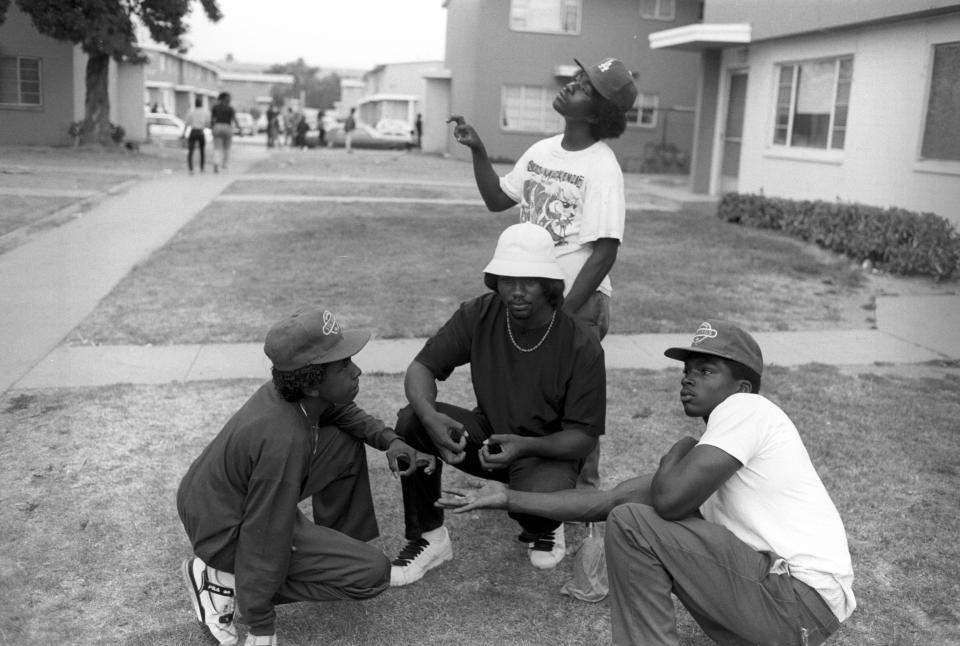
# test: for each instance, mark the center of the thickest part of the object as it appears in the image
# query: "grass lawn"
(401, 269)
(91, 542)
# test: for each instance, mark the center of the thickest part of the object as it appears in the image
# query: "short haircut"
(611, 121)
(291, 384)
(740, 371)
(552, 287)
(223, 96)
(198, 101)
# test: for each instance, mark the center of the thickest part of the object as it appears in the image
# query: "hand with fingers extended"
(499, 451)
(491, 495)
(448, 436)
(464, 133)
(403, 459)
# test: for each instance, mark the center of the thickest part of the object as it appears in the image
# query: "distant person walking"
(303, 127)
(224, 118)
(418, 126)
(348, 127)
(273, 126)
(197, 119)
(288, 124)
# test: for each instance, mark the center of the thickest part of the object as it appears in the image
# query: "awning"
(702, 36)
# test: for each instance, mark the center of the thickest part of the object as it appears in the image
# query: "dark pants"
(726, 586)
(596, 314)
(420, 491)
(196, 140)
(330, 559)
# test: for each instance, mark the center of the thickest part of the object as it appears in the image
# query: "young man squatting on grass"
(738, 525)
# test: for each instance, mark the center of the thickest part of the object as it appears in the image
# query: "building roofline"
(700, 36)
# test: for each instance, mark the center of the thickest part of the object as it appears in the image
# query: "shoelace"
(544, 543)
(411, 551)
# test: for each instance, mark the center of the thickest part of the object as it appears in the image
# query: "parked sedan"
(168, 128)
(368, 137)
(246, 123)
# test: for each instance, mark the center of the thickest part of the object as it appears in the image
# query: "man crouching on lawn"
(297, 436)
(737, 525)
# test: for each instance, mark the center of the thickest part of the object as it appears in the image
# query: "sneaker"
(419, 557)
(212, 600)
(547, 550)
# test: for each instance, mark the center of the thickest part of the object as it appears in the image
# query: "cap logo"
(330, 324)
(704, 332)
(605, 65)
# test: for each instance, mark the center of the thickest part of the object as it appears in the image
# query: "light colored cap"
(525, 250)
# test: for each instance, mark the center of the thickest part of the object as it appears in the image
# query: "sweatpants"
(420, 490)
(725, 585)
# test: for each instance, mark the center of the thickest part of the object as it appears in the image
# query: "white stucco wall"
(880, 163)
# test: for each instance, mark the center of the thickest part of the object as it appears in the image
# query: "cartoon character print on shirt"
(552, 199)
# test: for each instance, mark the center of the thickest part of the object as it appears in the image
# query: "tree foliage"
(105, 29)
(320, 93)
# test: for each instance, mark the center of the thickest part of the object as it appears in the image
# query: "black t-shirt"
(559, 386)
(221, 113)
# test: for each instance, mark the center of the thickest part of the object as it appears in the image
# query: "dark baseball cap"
(612, 81)
(722, 339)
(311, 336)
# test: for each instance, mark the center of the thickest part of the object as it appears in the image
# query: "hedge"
(894, 240)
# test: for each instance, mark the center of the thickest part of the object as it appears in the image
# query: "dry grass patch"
(91, 540)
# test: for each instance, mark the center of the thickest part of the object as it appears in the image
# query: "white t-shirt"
(776, 501)
(198, 118)
(576, 196)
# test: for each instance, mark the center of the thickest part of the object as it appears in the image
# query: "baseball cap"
(611, 79)
(525, 250)
(722, 339)
(311, 336)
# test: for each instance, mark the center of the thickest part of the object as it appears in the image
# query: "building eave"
(701, 36)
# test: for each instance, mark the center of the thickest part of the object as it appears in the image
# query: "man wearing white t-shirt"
(737, 524)
(571, 184)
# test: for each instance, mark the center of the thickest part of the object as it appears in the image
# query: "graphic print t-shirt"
(575, 195)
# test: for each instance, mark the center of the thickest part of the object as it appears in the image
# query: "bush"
(895, 240)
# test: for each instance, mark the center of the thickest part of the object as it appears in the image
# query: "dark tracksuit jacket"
(238, 500)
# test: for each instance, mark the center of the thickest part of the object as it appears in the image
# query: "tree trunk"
(96, 124)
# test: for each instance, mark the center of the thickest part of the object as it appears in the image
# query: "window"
(812, 102)
(941, 130)
(545, 16)
(529, 108)
(20, 81)
(644, 111)
(657, 9)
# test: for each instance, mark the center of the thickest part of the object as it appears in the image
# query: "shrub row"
(895, 240)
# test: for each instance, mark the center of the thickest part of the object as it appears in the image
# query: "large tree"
(105, 29)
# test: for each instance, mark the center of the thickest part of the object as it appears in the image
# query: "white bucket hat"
(525, 250)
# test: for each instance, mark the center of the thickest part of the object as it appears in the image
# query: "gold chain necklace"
(539, 343)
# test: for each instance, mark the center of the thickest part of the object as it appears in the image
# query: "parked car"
(167, 128)
(368, 137)
(246, 123)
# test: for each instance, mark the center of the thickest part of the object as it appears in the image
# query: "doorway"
(732, 135)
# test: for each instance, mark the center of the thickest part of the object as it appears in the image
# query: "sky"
(325, 33)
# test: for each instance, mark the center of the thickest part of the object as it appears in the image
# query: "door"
(732, 135)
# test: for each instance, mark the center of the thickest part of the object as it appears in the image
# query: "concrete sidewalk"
(50, 283)
(898, 343)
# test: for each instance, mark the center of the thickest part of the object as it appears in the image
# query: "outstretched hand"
(491, 495)
(463, 132)
(403, 459)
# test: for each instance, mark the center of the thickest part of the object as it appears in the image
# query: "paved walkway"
(53, 281)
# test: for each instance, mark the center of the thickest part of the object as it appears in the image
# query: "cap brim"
(352, 343)
(682, 354)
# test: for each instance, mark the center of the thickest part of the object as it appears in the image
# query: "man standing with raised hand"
(540, 385)
(571, 185)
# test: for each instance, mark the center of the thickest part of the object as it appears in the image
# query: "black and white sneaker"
(547, 550)
(212, 594)
(418, 557)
